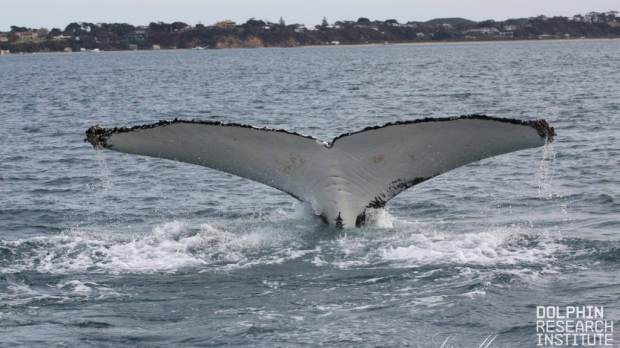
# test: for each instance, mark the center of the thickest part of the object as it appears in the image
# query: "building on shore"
(3, 52)
(68, 49)
(226, 24)
(133, 47)
(156, 47)
(27, 35)
(485, 31)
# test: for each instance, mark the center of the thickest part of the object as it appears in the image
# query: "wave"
(275, 239)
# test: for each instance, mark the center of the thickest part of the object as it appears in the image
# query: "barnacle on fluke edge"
(544, 129)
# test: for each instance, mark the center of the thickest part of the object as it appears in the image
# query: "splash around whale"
(340, 179)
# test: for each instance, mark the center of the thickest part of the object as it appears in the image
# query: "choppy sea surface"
(112, 250)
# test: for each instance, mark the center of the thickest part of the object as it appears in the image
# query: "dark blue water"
(111, 250)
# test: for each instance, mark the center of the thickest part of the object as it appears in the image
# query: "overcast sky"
(58, 13)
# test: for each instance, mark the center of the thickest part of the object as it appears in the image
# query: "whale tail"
(343, 178)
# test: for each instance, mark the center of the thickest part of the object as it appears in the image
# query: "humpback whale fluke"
(341, 179)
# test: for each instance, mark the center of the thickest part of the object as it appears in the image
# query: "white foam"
(430, 301)
(175, 245)
(379, 218)
(498, 246)
(167, 248)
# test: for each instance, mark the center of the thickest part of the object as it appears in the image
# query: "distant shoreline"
(424, 43)
(460, 42)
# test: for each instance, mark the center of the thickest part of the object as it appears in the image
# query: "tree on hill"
(178, 25)
(42, 32)
(159, 26)
(282, 23)
(73, 27)
(121, 29)
(17, 29)
(363, 20)
(486, 24)
(325, 22)
(255, 23)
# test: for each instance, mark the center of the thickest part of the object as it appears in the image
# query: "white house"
(484, 31)
(28, 35)
(510, 27)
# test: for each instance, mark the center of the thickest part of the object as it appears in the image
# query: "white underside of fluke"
(340, 179)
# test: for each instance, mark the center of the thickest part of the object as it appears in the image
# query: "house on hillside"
(447, 26)
(4, 38)
(510, 27)
(27, 35)
(226, 24)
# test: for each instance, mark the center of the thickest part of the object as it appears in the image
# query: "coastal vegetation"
(260, 33)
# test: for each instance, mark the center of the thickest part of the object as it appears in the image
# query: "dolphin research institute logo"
(565, 326)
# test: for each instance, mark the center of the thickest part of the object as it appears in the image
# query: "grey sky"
(58, 13)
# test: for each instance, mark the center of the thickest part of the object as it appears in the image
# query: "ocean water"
(101, 249)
